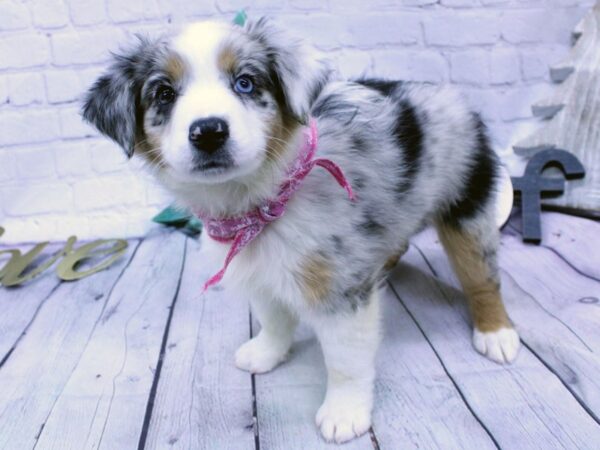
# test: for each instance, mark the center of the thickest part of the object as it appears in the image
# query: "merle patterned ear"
(112, 104)
(298, 67)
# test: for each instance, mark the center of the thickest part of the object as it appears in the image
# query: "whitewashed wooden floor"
(133, 357)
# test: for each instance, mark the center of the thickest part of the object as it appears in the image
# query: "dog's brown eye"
(165, 95)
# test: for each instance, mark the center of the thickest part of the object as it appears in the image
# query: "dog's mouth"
(218, 167)
(213, 166)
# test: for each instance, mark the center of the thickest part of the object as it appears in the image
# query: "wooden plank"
(542, 295)
(417, 405)
(524, 405)
(558, 289)
(39, 368)
(288, 399)
(202, 400)
(20, 304)
(573, 238)
(104, 401)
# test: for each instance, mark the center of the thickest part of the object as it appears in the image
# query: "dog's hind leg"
(471, 246)
(270, 347)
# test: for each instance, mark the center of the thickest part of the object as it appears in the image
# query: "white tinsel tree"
(572, 115)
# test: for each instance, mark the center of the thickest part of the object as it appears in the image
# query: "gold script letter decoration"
(67, 269)
(15, 270)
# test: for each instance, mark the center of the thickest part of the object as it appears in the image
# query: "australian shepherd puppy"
(221, 111)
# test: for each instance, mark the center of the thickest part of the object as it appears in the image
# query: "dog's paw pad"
(258, 356)
(341, 421)
(500, 346)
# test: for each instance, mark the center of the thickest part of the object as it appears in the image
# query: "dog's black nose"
(208, 135)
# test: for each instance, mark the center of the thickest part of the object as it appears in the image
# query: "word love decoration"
(24, 266)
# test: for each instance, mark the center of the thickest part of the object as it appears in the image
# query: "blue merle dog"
(217, 112)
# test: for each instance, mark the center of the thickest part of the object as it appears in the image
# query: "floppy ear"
(298, 68)
(113, 103)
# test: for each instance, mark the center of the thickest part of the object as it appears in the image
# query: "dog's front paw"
(500, 346)
(341, 418)
(260, 354)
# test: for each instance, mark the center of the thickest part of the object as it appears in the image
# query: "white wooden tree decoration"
(572, 115)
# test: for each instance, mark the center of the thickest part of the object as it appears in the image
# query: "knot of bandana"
(242, 230)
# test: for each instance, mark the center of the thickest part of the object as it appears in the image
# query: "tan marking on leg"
(391, 262)
(315, 278)
(480, 286)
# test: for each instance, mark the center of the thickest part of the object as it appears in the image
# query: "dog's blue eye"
(243, 85)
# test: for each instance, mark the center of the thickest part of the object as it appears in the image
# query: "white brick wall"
(58, 177)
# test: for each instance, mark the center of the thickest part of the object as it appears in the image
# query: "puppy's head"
(213, 104)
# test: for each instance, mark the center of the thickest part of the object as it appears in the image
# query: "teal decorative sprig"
(240, 18)
(183, 220)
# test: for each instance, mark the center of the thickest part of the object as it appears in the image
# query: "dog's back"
(423, 152)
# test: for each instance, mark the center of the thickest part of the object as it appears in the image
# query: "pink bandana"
(243, 229)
